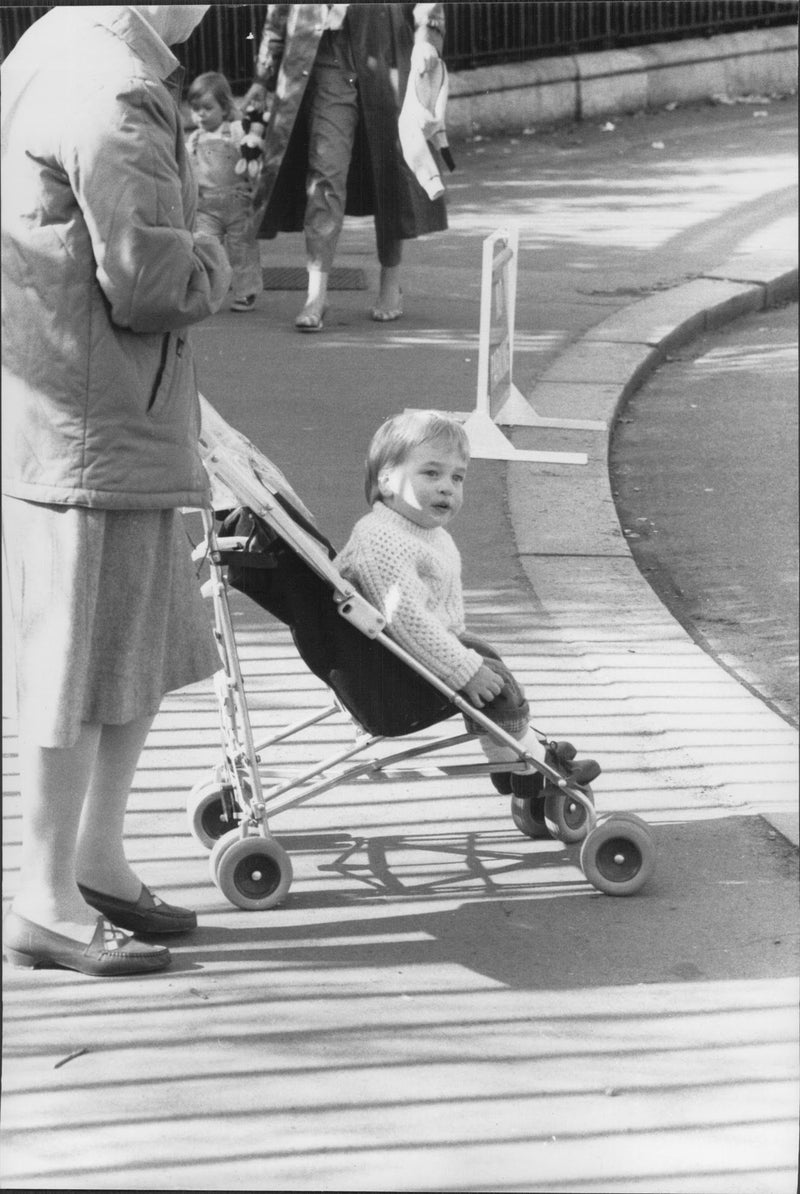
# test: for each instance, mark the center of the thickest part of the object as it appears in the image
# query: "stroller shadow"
(525, 916)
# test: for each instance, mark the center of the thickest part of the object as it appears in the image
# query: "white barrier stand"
(498, 399)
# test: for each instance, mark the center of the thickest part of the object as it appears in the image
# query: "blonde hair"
(395, 439)
(217, 86)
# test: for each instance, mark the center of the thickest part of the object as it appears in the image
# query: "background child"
(225, 198)
(407, 565)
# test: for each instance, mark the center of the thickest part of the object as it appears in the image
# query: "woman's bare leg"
(316, 299)
(333, 117)
(54, 781)
(389, 304)
(100, 858)
(389, 294)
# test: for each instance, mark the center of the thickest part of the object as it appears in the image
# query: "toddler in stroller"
(396, 582)
(404, 561)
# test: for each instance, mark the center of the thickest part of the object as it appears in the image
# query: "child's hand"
(484, 686)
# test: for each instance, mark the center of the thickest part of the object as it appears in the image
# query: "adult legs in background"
(333, 119)
(389, 305)
(390, 297)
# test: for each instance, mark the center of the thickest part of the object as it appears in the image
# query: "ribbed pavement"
(443, 1004)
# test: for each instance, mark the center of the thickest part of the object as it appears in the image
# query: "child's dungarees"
(224, 205)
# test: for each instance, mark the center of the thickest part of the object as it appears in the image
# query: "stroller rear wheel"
(565, 817)
(254, 873)
(527, 805)
(211, 809)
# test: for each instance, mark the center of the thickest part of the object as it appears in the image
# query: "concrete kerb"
(568, 535)
(570, 88)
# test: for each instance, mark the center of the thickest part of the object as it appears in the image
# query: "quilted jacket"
(101, 272)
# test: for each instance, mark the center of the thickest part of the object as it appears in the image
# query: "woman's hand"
(256, 96)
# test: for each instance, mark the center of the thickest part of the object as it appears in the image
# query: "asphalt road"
(704, 464)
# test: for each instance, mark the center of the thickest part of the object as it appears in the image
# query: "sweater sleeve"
(272, 45)
(388, 574)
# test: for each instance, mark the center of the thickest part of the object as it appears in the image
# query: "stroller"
(262, 541)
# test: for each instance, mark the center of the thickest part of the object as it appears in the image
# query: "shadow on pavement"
(530, 920)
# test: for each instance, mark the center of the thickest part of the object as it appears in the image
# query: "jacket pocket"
(173, 347)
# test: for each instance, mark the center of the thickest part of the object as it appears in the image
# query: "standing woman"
(102, 275)
(339, 74)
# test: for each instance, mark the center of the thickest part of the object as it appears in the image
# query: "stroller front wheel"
(254, 873)
(618, 857)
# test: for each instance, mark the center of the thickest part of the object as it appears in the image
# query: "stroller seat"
(380, 691)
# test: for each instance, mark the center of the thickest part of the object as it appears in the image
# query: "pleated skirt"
(106, 615)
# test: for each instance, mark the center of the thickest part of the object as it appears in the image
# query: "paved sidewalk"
(443, 1004)
(573, 548)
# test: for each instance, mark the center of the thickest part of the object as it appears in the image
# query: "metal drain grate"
(295, 278)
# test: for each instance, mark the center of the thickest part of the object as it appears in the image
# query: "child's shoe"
(244, 304)
(561, 757)
(558, 755)
(501, 782)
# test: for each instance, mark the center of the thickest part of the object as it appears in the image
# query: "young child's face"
(428, 487)
(208, 114)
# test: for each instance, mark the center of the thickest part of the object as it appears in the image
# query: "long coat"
(379, 181)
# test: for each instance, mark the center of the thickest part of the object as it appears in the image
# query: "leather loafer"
(148, 914)
(109, 953)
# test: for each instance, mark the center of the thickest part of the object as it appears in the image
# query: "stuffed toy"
(254, 124)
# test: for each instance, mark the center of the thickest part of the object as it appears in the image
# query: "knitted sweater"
(413, 576)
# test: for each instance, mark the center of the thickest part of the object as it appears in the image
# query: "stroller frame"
(229, 813)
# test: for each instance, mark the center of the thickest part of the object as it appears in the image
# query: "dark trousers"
(334, 113)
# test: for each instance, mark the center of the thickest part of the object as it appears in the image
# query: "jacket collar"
(131, 27)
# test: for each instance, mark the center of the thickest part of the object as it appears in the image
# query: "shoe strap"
(113, 937)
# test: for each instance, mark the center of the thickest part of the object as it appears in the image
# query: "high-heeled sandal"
(387, 314)
(309, 321)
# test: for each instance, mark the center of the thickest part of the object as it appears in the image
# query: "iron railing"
(479, 34)
(485, 34)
